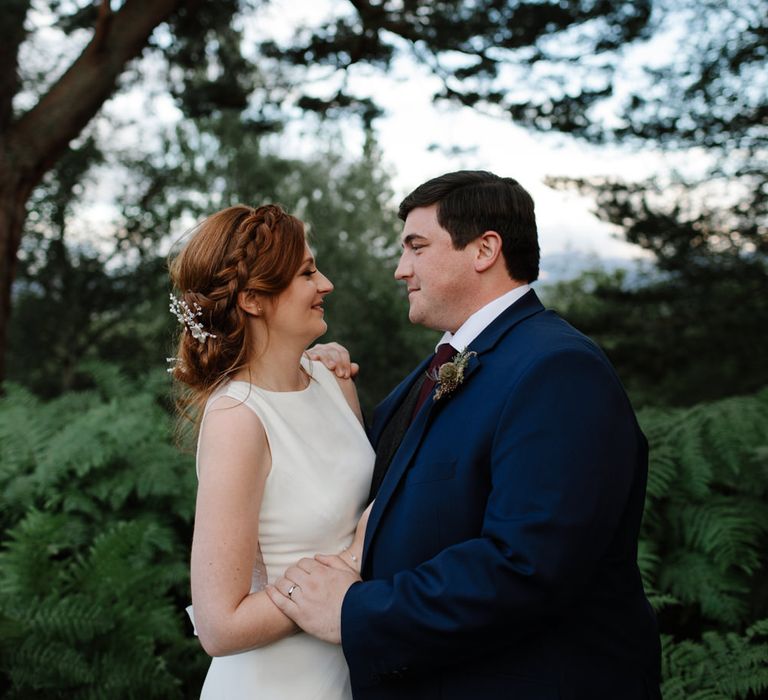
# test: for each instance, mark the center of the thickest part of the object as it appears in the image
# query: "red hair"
(236, 249)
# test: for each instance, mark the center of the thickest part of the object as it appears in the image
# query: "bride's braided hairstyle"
(234, 250)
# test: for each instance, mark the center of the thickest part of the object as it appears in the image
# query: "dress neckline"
(272, 392)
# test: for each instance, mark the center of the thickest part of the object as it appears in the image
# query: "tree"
(346, 202)
(203, 48)
(553, 65)
(77, 303)
(675, 339)
(31, 142)
(689, 331)
(710, 103)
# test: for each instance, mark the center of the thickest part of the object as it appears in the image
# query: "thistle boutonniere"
(450, 375)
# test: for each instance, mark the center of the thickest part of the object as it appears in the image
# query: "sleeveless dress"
(314, 495)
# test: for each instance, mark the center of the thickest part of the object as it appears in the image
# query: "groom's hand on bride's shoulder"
(311, 593)
(336, 358)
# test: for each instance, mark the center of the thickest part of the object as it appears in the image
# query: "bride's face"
(298, 310)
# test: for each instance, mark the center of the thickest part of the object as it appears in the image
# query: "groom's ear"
(487, 250)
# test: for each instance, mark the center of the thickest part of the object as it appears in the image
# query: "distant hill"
(568, 264)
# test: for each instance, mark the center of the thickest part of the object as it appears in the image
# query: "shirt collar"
(482, 318)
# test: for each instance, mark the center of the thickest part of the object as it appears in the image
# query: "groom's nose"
(403, 269)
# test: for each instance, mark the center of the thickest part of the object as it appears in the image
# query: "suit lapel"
(526, 306)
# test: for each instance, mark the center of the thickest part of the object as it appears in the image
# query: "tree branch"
(102, 25)
(40, 136)
(12, 17)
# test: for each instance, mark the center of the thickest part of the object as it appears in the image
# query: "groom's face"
(435, 273)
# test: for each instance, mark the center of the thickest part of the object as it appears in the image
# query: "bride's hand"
(336, 358)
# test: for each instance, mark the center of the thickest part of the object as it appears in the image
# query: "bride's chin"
(316, 333)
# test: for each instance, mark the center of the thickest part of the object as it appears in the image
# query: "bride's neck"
(276, 368)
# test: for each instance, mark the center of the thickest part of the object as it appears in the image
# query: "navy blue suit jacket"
(500, 554)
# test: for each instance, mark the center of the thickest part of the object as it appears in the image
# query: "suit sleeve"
(564, 458)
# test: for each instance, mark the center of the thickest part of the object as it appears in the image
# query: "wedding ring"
(292, 589)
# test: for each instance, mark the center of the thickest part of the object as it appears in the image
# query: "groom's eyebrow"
(410, 238)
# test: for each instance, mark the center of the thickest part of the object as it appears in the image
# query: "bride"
(284, 465)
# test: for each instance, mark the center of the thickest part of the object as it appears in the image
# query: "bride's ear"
(250, 302)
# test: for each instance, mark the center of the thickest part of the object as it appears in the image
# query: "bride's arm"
(234, 462)
(350, 394)
(354, 553)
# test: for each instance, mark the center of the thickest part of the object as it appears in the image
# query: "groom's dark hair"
(470, 202)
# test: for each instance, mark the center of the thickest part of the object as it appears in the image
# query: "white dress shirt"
(481, 319)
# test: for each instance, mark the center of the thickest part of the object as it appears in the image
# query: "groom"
(500, 553)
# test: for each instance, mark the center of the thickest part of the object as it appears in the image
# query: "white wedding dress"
(314, 495)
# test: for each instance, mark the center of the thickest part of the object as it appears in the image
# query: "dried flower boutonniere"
(450, 375)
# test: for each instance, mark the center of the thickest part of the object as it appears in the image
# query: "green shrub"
(96, 506)
(703, 546)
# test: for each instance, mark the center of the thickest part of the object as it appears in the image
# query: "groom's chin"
(415, 315)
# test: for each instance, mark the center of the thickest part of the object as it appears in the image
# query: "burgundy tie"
(445, 352)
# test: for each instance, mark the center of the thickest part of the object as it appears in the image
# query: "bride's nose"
(324, 286)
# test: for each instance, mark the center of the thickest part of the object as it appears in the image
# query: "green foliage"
(349, 208)
(75, 305)
(95, 501)
(75, 302)
(720, 666)
(703, 544)
(95, 504)
(677, 338)
(692, 334)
